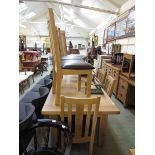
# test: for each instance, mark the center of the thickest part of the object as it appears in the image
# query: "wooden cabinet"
(126, 91)
(113, 71)
(122, 90)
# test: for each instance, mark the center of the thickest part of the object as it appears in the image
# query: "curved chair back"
(39, 102)
(109, 85)
(26, 112)
(48, 83)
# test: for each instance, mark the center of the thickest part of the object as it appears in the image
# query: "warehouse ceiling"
(70, 15)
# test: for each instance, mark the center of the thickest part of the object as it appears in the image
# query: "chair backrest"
(26, 112)
(109, 85)
(64, 42)
(101, 75)
(60, 42)
(54, 42)
(39, 102)
(82, 109)
(48, 83)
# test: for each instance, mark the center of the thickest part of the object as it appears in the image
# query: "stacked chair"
(38, 94)
(65, 66)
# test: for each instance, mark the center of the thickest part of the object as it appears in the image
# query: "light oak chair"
(69, 67)
(101, 76)
(84, 129)
(109, 85)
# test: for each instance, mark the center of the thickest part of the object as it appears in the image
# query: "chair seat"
(29, 96)
(76, 64)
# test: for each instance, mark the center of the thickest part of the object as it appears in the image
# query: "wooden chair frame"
(58, 72)
(109, 85)
(80, 107)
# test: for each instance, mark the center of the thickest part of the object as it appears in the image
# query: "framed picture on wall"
(111, 32)
(121, 28)
(130, 30)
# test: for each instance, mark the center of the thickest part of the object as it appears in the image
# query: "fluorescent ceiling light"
(22, 7)
(30, 15)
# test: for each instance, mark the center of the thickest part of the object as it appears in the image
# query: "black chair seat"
(29, 96)
(76, 64)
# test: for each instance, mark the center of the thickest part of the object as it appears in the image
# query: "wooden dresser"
(126, 91)
(114, 71)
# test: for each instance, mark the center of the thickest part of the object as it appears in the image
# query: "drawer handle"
(121, 95)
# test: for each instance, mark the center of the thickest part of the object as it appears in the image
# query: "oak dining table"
(69, 88)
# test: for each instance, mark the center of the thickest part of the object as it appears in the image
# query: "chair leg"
(79, 82)
(88, 85)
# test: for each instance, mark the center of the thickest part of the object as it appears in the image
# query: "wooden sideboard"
(114, 71)
(124, 88)
(126, 91)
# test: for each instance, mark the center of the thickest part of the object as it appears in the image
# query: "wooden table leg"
(102, 128)
(79, 82)
(88, 85)
(54, 133)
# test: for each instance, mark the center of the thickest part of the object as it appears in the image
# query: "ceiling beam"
(76, 5)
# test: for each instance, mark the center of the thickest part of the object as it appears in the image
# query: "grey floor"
(120, 132)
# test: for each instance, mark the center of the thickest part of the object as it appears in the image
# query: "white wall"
(128, 44)
(76, 41)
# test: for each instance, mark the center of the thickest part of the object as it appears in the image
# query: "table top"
(22, 78)
(69, 88)
(29, 73)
